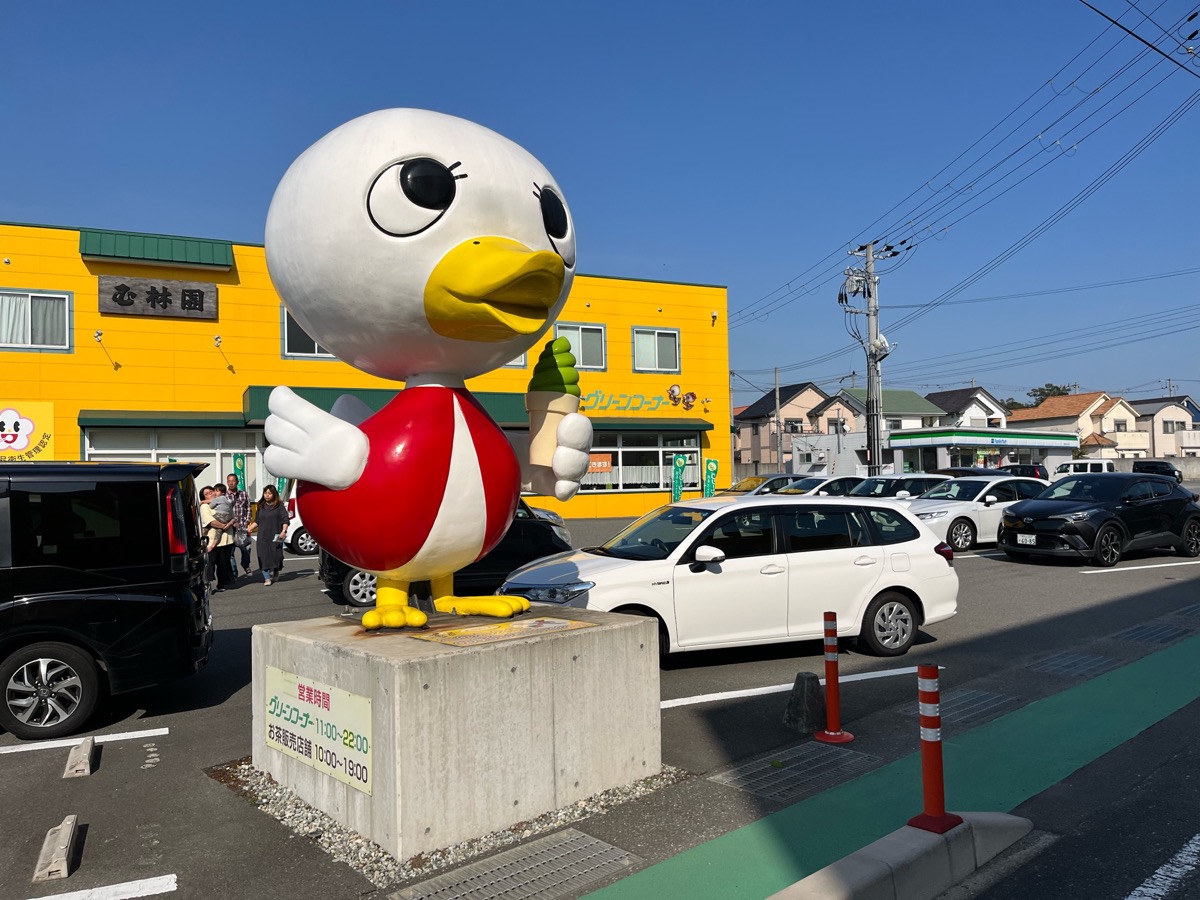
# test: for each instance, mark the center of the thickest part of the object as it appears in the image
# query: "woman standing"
(271, 522)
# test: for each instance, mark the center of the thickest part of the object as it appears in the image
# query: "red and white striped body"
(439, 490)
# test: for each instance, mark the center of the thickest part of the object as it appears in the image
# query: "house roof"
(764, 406)
(1068, 406)
(898, 403)
(1106, 406)
(1097, 440)
(1150, 406)
(956, 401)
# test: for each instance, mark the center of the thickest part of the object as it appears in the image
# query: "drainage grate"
(558, 865)
(1192, 612)
(807, 769)
(962, 706)
(1079, 664)
(1151, 633)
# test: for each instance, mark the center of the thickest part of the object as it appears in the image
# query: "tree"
(1041, 394)
(1014, 403)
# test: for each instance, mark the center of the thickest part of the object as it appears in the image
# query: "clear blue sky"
(742, 145)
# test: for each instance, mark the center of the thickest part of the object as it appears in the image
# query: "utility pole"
(1170, 388)
(778, 427)
(864, 281)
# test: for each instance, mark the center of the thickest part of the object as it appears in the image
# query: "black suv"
(102, 587)
(1157, 467)
(528, 538)
(1100, 517)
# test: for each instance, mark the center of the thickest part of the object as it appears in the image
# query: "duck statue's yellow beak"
(492, 289)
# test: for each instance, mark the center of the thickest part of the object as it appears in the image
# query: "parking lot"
(150, 814)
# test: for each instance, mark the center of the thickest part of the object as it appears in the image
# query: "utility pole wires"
(864, 281)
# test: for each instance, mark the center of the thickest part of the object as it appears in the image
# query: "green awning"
(158, 249)
(143, 418)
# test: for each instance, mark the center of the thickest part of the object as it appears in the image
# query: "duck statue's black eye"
(554, 214)
(427, 183)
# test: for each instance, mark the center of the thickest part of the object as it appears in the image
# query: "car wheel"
(1108, 547)
(304, 543)
(49, 690)
(664, 638)
(890, 625)
(961, 535)
(1190, 545)
(359, 588)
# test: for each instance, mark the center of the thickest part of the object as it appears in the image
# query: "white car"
(822, 485)
(297, 538)
(964, 511)
(730, 572)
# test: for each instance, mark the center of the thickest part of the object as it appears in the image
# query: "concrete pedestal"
(435, 743)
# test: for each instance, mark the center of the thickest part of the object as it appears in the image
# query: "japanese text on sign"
(322, 726)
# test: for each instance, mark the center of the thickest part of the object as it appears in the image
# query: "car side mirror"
(706, 554)
(902, 495)
(989, 499)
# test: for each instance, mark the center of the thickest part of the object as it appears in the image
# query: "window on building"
(296, 341)
(894, 424)
(655, 350)
(1120, 425)
(34, 321)
(642, 461)
(587, 343)
(835, 426)
(1168, 427)
(518, 363)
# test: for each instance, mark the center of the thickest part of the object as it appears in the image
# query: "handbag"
(241, 537)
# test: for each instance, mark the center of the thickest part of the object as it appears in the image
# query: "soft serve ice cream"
(553, 393)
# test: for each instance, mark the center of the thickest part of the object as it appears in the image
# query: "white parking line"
(100, 739)
(777, 688)
(147, 887)
(1195, 562)
(1169, 874)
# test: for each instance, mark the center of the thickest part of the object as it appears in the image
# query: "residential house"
(837, 442)
(1106, 426)
(1173, 424)
(758, 435)
(972, 407)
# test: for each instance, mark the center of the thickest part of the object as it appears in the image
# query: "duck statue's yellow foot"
(496, 606)
(391, 608)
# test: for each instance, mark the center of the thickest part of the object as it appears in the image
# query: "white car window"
(822, 529)
(742, 535)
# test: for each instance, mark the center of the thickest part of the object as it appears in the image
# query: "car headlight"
(563, 534)
(558, 593)
(931, 515)
(1076, 516)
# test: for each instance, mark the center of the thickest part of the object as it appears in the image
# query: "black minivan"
(102, 587)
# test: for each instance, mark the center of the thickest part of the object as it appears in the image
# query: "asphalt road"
(151, 811)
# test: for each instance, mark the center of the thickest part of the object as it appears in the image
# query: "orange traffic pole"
(833, 733)
(934, 818)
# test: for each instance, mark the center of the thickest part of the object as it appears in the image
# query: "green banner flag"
(239, 469)
(710, 477)
(677, 478)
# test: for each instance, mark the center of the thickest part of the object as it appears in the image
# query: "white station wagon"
(729, 572)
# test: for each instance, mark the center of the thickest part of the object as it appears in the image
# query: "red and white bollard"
(934, 818)
(833, 733)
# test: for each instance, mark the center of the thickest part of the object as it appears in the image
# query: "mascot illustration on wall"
(426, 249)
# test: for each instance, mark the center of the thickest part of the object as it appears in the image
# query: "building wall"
(174, 365)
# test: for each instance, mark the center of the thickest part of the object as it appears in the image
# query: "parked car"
(822, 484)
(529, 537)
(963, 511)
(965, 471)
(102, 587)
(1102, 517)
(909, 485)
(1027, 470)
(730, 572)
(1083, 467)
(1157, 467)
(555, 520)
(760, 484)
(297, 538)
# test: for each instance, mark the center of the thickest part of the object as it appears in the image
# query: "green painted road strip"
(995, 767)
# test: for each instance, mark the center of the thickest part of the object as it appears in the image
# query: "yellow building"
(121, 346)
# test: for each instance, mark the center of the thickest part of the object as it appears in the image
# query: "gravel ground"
(380, 867)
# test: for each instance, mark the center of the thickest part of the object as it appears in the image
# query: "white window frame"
(577, 345)
(612, 481)
(66, 297)
(288, 352)
(518, 363)
(651, 330)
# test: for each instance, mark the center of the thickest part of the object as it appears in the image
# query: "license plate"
(1030, 539)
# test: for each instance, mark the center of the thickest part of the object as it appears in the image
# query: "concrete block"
(853, 877)
(919, 860)
(993, 832)
(79, 760)
(805, 711)
(58, 851)
(465, 740)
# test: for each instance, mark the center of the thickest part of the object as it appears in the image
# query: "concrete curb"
(911, 864)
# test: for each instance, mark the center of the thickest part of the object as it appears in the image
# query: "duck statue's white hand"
(569, 464)
(310, 444)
